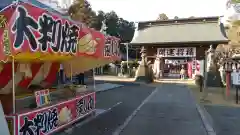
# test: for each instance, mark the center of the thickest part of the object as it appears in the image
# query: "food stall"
(34, 43)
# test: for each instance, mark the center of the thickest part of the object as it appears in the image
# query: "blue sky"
(142, 10)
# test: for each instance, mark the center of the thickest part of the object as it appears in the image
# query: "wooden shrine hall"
(179, 42)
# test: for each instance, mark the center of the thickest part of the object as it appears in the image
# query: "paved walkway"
(170, 111)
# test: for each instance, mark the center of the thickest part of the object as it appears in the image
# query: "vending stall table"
(34, 43)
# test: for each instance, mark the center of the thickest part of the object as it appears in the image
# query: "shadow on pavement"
(119, 82)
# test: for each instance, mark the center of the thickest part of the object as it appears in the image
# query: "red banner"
(34, 31)
(50, 119)
(30, 33)
(112, 48)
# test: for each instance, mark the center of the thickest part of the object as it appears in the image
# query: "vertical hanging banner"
(112, 48)
(5, 16)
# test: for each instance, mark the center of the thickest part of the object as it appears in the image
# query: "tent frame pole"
(71, 72)
(94, 83)
(13, 86)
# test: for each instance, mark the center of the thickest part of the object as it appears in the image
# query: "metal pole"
(71, 73)
(205, 72)
(237, 87)
(127, 53)
(136, 54)
(94, 83)
(205, 94)
(13, 86)
(128, 69)
(228, 81)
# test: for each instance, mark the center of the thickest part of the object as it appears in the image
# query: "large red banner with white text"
(29, 33)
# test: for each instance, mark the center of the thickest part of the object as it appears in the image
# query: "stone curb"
(206, 119)
(109, 88)
(204, 115)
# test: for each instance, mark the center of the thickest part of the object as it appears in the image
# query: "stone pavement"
(170, 111)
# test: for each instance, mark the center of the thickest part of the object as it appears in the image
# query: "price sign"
(42, 97)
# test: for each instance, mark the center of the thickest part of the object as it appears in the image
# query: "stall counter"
(52, 118)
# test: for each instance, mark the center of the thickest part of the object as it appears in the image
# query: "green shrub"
(199, 80)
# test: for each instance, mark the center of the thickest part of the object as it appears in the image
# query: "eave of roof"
(189, 43)
(195, 19)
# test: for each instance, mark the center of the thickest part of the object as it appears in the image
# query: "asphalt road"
(226, 119)
(143, 110)
(170, 111)
(122, 101)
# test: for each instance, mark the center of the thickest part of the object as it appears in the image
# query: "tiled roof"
(180, 33)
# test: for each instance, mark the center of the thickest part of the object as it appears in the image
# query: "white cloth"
(26, 69)
(3, 123)
(61, 66)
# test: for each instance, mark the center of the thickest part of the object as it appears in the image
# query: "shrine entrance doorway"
(177, 58)
(172, 67)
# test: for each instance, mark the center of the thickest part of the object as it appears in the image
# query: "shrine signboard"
(177, 52)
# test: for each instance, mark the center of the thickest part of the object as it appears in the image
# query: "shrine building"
(180, 42)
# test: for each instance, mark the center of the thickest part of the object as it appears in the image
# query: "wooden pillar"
(228, 83)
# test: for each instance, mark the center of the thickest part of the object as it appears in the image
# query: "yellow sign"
(3, 21)
(6, 43)
(10, 126)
